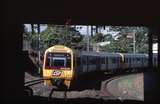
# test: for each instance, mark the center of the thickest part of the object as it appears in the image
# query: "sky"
(42, 28)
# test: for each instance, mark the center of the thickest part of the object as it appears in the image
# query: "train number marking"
(57, 73)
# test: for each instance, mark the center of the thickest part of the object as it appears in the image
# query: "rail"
(29, 90)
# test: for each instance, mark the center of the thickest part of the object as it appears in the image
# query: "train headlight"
(69, 74)
(68, 51)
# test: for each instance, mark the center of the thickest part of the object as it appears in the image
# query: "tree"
(123, 43)
(55, 34)
(98, 37)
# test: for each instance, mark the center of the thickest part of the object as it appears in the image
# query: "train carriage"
(63, 65)
(90, 61)
(110, 61)
(132, 61)
(95, 61)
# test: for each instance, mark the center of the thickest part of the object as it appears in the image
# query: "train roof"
(136, 54)
(50, 49)
(91, 53)
(111, 54)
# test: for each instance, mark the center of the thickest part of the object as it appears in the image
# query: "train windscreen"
(58, 60)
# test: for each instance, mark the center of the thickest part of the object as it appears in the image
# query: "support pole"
(39, 52)
(150, 40)
(32, 28)
(134, 42)
(91, 31)
(88, 38)
(158, 60)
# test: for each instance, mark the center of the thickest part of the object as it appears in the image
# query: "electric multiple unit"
(63, 64)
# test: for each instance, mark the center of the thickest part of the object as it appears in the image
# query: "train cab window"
(58, 60)
(68, 63)
(48, 60)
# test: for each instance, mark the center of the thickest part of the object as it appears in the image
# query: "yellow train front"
(58, 65)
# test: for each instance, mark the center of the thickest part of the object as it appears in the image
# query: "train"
(62, 64)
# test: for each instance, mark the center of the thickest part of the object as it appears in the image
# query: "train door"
(146, 62)
(114, 63)
(143, 62)
(91, 63)
(87, 64)
(118, 63)
(106, 58)
(136, 62)
(94, 63)
(129, 62)
(78, 65)
(84, 63)
(98, 63)
(139, 61)
(132, 63)
(103, 66)
(109, 63)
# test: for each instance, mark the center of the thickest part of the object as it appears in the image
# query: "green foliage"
(122, 42)
(98, 37)
(69, 36)
(55, 34)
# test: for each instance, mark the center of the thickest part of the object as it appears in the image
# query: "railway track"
(102, 92)
(106, 91)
